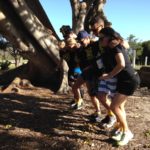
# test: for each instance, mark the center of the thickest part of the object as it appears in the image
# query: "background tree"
(27, 27)
(146, 50)
(135, 45)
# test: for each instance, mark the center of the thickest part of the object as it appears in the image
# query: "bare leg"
(94, 99)
(122, 107)
(96, 103)
(76, 88)
(102, 97)
(117, 106)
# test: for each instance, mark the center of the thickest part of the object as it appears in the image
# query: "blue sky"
(127, 16)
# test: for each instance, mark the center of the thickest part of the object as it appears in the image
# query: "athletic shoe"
(77, 106)
(116, 134)
(114, 131)
(96, 117)
(108, 121)
(73, 102)
(126, 137)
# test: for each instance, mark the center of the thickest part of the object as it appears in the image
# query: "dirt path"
(36, 119)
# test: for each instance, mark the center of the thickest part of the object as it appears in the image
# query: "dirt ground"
(37, 119)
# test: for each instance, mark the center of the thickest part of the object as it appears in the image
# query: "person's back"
(87, 54)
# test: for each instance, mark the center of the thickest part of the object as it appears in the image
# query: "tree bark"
(39, 47)
(84, 11)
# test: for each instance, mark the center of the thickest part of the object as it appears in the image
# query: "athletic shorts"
(90, 77)
(108, 86)
(88, 74)
(129, 86)
(92, 86)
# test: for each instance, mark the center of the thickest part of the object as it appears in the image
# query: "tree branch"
(81, 17)
(75, 5)
(95, 9)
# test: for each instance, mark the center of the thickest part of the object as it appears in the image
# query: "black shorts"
(91, 79)
(88, 74)
(129, 86)
(93, 87)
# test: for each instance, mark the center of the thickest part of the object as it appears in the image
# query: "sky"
(127, 16)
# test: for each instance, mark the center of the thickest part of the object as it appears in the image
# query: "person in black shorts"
(96, 24)
(117, 64)
(68, 53)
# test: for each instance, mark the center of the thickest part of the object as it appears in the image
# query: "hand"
(104, 76)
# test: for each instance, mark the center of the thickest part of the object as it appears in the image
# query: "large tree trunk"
(24, 29)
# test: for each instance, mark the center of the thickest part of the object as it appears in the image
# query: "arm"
(120, 65)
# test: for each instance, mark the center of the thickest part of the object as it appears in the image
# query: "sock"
(79, 101)
(98, 112)
(110, 113)
(118, 126)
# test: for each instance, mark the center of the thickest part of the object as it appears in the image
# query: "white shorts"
(108, 86)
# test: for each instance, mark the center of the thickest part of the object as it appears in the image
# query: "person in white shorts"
(106, 90)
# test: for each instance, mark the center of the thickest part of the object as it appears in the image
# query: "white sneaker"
(110, 123)
(73, 104)
(126, 137)
(77, 106)
(114, 131)
(96, 117)
(117, 135)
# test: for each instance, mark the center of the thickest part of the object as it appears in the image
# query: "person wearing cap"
(105, 88)
(117, 64)
(87, 55)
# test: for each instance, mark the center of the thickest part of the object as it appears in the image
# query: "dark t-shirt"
(90, 57)
(87, 55)
(110, 62)
(69, 55)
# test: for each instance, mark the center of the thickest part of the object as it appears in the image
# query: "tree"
(146, 50)
(135, 45)
(26, 25)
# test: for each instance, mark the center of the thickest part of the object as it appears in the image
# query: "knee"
(113, 107)
(75, 87)
(102, 98)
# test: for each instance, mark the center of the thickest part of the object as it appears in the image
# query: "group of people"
(104, 67)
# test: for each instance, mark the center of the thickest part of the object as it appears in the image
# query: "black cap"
(82, 34)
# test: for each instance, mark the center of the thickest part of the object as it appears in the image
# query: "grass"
(138, 67)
